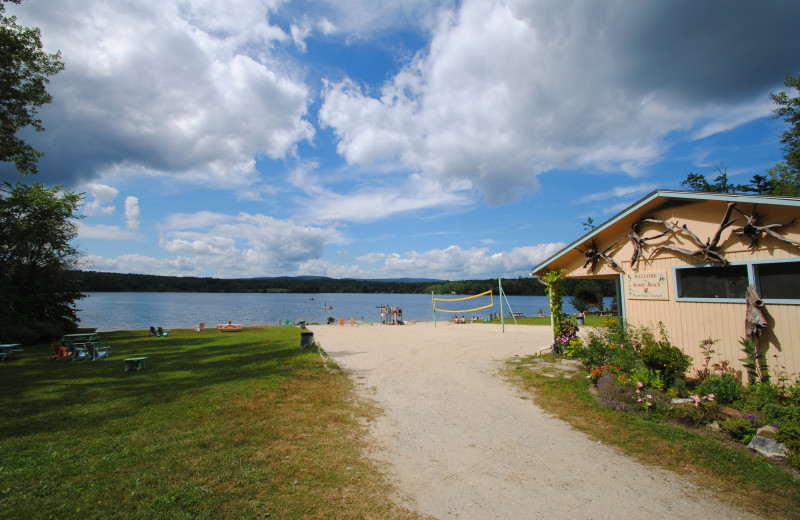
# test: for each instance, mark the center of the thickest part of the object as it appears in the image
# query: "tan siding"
(688, 323)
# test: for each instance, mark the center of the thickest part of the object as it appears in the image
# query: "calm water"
(125, 311)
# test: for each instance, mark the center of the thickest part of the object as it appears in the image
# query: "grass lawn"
(731, 472)
(590, 321)
(232, 425)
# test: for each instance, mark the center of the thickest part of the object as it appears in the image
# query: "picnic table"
(7, 349)
(83, 346)
(134, 363)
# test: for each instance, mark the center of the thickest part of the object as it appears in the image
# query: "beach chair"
(97, 351)
(161, 332)
(201, 327)
(341, 322)
(352, 322)
(57, 351)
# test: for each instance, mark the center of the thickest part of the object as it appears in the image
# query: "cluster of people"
(486, 318)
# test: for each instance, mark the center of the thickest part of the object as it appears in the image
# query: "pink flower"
(649, 396)
(639, 400)
(710, 397)
(649, 404)
(637, 391)
(639, 383)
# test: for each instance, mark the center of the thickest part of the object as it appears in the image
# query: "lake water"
(126, 311)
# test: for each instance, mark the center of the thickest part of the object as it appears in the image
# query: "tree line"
(93, 281)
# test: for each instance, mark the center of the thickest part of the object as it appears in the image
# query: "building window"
(778, 280)
(729, 282)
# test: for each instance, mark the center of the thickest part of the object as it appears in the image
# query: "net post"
(502, 312)
(433, 304)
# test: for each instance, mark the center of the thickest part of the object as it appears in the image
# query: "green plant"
(724, 387)
(661, 355)
(705, 348)
(574, 349)
(755, 361)
(742, 430)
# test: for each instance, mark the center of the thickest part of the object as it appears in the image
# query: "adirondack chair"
(97, 351)
(59, 352)
(161, 332)
(80, 353)
(201, 327)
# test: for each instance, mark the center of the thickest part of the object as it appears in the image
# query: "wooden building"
(685, 259)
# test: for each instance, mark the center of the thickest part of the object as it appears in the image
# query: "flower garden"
(638, 371)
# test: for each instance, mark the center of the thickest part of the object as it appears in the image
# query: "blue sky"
(397, 138)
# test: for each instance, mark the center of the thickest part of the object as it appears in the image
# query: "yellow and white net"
(491, 303)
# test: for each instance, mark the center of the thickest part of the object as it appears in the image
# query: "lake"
(130, 311)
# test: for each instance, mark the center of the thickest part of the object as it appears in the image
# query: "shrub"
(726, 388)
(661, 356)
(742, 430)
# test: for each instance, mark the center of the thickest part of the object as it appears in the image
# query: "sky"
(392, 138)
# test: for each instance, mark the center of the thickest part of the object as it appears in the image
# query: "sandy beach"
(459, 442)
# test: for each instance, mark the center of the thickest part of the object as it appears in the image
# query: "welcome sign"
(648, 286)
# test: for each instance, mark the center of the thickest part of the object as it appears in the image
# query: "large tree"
(785, 176)
(38, 282)
(24, 74)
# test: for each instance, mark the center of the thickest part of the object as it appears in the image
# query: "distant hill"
(93, 281)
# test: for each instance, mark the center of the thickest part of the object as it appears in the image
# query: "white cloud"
(105, 232)
(509, 89)
(620, 191)
(190, 89)
(132, 212)
(457, 263)
(103, 196)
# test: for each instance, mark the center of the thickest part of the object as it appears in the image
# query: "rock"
(767, 447)
(714, 426)
(682, 400)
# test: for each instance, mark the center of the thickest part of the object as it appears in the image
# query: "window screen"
(779, 280)
(713, 282)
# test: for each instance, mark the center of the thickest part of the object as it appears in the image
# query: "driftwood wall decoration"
(638, 241)
(707, 249)
(593, 256)
(754, 231)
(754, 320)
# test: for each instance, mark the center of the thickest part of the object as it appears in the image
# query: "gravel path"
(458, 442)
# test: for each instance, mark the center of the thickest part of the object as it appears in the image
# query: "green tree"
(587, 294)
(24, 73)
(38, 282)
(785, 176)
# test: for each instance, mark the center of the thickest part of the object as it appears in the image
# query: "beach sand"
(460, 442)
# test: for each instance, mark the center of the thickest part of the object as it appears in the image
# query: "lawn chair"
(58, 352)
(352, 322)
(161, 332)
(97, 351)
(341, 322)
(80, 353)
(201, 327)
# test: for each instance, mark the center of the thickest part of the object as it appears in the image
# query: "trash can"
(306, 339)
(579, 320)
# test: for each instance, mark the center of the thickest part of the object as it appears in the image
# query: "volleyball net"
(472, 309)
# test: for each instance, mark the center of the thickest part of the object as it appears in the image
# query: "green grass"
(232, 425)
(731, 472)
(590, 321)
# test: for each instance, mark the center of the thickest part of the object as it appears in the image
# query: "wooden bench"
(134, 363)
(229, 327)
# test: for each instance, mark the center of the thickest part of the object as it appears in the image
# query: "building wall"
(689, 323)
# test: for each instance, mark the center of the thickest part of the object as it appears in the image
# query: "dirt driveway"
(459, 442)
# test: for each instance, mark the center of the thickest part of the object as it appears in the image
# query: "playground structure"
(391, 314)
